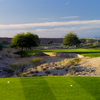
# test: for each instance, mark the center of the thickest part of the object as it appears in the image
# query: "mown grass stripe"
(62, 89)
(92, 85)
(36, 88)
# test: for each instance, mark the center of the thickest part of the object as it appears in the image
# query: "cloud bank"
(89, 23)
(86, 28)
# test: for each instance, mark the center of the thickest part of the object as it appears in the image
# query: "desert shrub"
(77, 60)
(9, 71)
(8, 51)
(72, 62)
(81, 44)
(17, 73)
(96, 43)
(18, 66)
(59, 63)
(65, 60)
(37, 61)
(55, 64)
(51, 64)
(24, 75)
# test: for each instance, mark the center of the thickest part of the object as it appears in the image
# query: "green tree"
(71, 39)
(23, 40)
(88, 42)
(96, 43)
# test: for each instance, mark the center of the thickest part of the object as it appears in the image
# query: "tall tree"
(23, 40)
(71, 39)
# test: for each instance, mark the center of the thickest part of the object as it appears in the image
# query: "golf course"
(93, 52)
(50, 88)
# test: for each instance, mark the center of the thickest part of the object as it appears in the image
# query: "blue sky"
(50, 18)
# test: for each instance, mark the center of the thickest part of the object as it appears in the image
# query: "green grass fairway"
(86, 52)
(50, 88)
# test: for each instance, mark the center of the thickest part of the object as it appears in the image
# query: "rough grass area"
(94, 52)
(50, 88)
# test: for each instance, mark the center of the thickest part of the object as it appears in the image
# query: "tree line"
(28, 40)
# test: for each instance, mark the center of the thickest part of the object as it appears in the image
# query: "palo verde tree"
(23, 40)
(71, 39)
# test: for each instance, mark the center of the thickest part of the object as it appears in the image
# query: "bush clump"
(77, 60)
(72, 62)
(18, 66)
(24, 75)
(8, 52)
(37, 61)
(9, 71)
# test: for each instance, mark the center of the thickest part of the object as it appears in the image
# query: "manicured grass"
(50, 88)
(94, 52)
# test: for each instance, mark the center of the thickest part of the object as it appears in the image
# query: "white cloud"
(94, 23)
(58, 29)
(60, 32)
(67, 3)
(71, 17)
(81, 31)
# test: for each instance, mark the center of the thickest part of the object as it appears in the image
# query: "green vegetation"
(37, 61)
(71, 39)
(77, 60)
(27, 40)
(96, 43)
(17, 66)
(8, 51)
(88, 42)
(50, 88)
(93, 52)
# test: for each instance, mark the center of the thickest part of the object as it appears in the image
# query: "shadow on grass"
(90, 84)
(36, 88)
